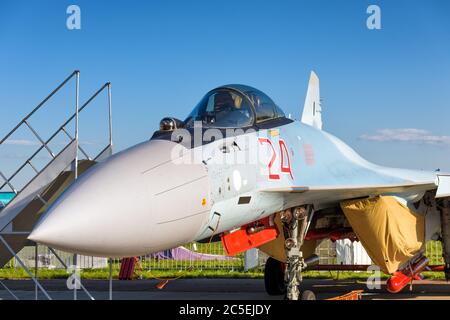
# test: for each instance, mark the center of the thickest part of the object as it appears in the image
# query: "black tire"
(274, 277)
(308, 295)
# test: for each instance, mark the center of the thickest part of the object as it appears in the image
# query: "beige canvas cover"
(390, 232)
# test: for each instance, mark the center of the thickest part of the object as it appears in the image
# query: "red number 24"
(284, 167)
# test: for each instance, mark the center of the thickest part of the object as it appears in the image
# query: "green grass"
(102, 274)
(154, 264)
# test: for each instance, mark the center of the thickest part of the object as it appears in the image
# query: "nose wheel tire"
(308, 295)
(274, 277)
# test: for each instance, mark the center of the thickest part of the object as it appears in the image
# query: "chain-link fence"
(193, 256)
(433, 252)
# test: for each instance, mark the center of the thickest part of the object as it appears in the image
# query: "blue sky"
(162, 56)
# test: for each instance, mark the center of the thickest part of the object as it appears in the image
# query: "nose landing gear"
(296, 223)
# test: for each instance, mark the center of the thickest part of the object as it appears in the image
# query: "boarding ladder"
(19, 216)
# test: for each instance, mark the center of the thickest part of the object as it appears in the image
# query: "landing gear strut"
(296, 224)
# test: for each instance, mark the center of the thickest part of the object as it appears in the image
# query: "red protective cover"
(397, 282)
(240, 240)
(400, 279)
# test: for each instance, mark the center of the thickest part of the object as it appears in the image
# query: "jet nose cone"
(139, 201)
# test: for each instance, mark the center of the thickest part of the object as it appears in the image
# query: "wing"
(338, 193)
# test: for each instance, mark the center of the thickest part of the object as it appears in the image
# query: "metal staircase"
(19, 216)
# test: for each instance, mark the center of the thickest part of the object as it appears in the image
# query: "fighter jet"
(238, 170)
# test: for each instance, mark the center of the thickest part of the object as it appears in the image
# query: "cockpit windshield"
(234, 106)
(265, 108)
(222, 108)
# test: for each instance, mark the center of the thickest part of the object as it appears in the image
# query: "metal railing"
(58, 163)
(63, 128)
(44, 144)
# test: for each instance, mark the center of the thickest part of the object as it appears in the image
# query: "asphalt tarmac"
(215, 289)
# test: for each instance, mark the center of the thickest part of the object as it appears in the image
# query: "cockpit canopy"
(234, 106)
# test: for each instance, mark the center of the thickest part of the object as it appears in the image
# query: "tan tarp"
(276, 250)
(390, 232)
